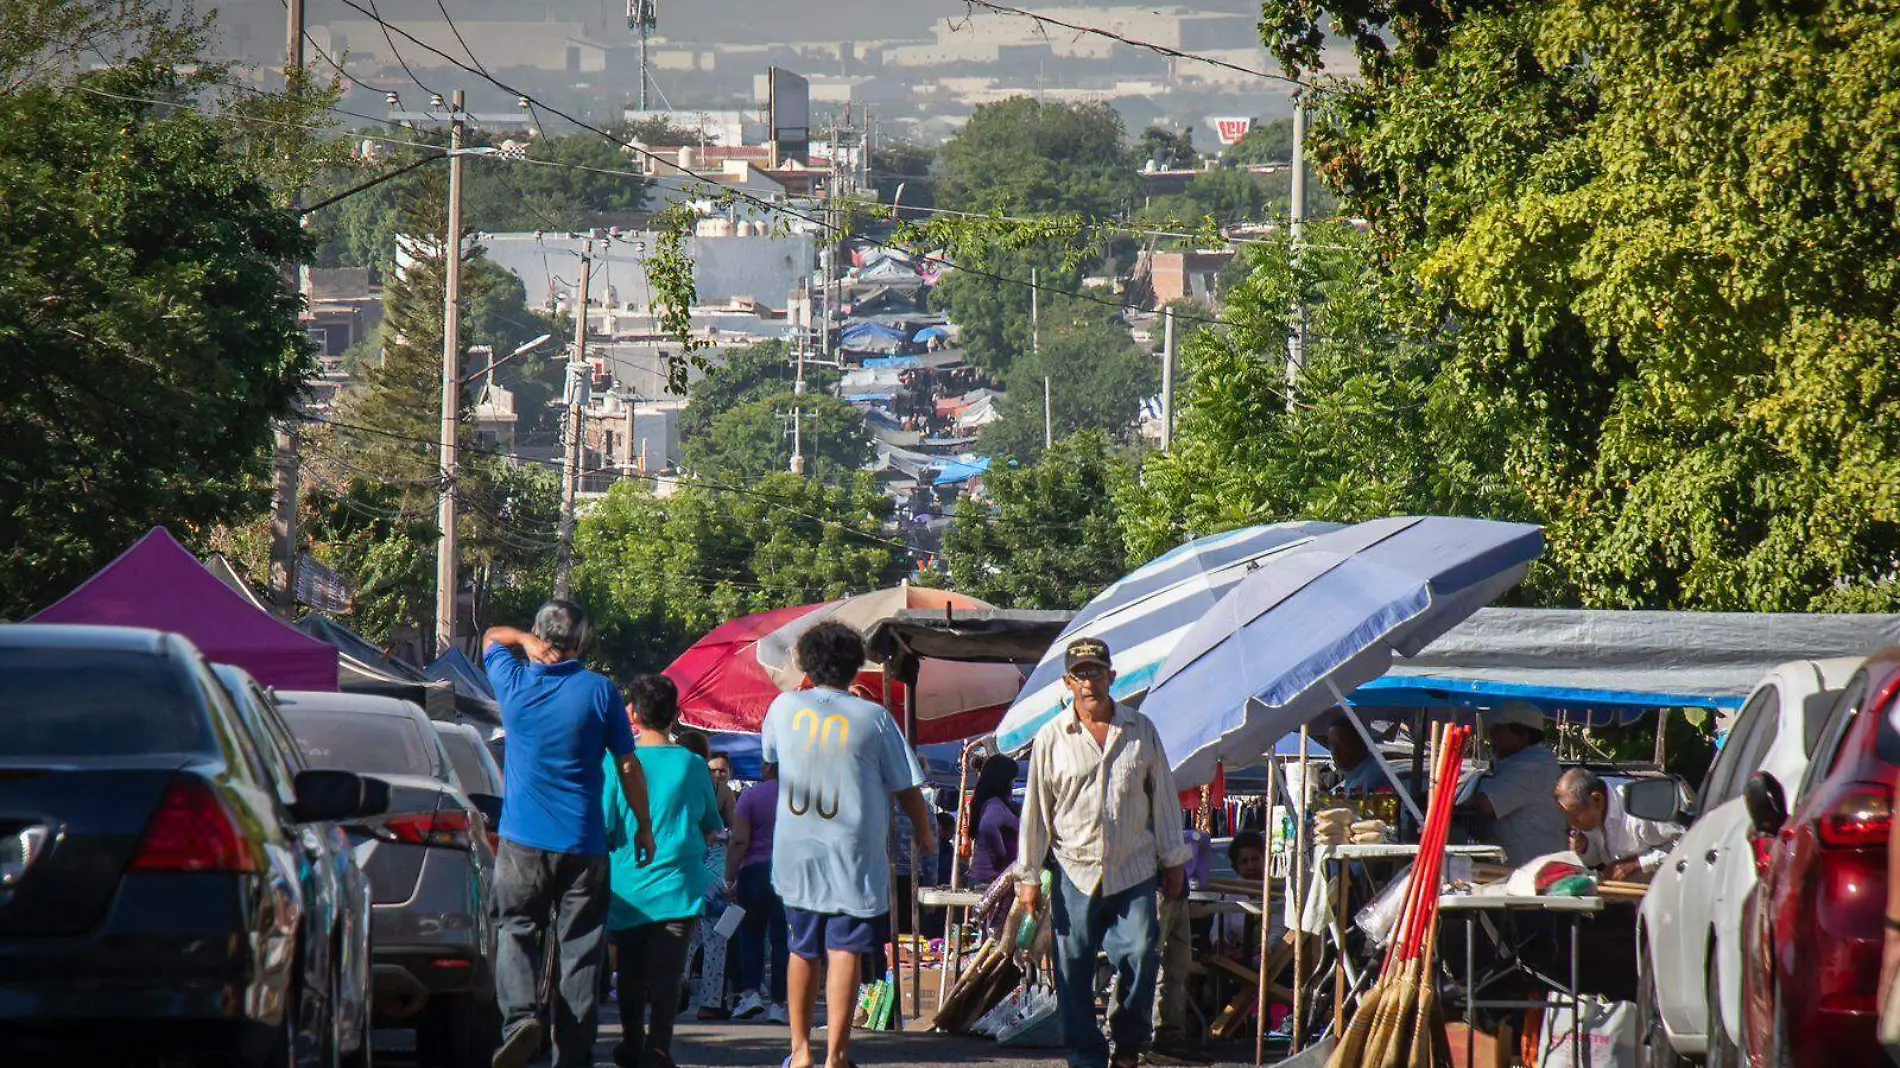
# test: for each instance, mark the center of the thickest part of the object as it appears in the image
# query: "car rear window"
(469, 766)
(90, 702)
(362, 742)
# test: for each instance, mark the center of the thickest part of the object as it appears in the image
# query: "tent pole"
(1299, 905)
(916, 860)
(1266, 919)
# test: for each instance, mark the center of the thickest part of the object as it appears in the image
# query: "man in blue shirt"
(552, 870)
(840, 760)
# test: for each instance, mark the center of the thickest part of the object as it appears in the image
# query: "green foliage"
(1166, 148)
(907, 165)
(993, 311)
(1268, 142)
(1049, 538)
(1098, 378)
(753, 440)
(1020, 156)
(148, 334)
(1662, 238)
(1220, 197)
(669, 273)
(655, 132)
(1377, 430)
(745, 375)
(659, 572)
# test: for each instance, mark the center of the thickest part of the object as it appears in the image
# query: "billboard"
(1230, 129)
(788, 115)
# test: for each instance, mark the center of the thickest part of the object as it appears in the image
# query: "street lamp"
(521, 350)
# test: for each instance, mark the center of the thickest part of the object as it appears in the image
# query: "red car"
(1819, 911)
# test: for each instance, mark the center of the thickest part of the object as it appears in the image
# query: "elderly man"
(1516, 795)
(1608, 838)
(1102, 796)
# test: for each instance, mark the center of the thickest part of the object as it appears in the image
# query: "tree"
(1020, 156)
(906, 165)
(1167, 149)
(1050, 536)
(1687, 340)
(1269, 142)
(991, 300)
(753, 440)
(659, 572)
(148, 334)
(745, 375)
(1099, 379)
(1377, 430)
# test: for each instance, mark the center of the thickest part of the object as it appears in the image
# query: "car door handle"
(1682, 865)
(1710, 856)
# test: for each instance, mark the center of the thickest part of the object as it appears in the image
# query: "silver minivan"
(430, 868)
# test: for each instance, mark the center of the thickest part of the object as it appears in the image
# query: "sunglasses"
(1089, 671)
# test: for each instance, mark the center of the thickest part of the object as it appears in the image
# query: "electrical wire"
(1160, 49)
(393, 50)
(339, 67)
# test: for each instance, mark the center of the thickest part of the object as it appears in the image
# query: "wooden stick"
(1266, 921)
(1300, 860)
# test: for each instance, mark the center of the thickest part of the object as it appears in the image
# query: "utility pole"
(643, 16)
(1167, 379)
(283, 525)
(1296, 341)
(571, 470)
(1035, 350)
(445, 554)
(798, 412)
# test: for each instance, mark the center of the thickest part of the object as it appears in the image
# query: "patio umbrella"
(722, 685)
(1321, 619)
(1144, 613)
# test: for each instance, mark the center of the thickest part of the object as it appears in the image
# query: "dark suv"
(153, 893)
(432, 915)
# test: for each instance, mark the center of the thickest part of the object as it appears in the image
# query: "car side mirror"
(489, 806)
(1767, 804)
(326, 795)
(1660, 800)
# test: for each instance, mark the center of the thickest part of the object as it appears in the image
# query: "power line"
(393, 50)
(339, 67)
(1160, 49)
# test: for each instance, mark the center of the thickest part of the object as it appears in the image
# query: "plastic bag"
(1608, 1035)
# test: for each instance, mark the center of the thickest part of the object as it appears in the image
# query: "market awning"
(993, 636)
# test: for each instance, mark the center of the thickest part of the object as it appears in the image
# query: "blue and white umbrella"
(1142, 615)
(1322, 619)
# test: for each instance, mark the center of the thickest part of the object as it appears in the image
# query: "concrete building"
(558, 47)
(1177, 275)
(763, 269)
(724, 128)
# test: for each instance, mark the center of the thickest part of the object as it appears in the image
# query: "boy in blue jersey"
(551, 870)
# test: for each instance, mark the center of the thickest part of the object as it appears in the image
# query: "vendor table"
(1330, 862)
(1475, 910)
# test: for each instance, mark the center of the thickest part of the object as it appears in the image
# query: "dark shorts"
(814, 933)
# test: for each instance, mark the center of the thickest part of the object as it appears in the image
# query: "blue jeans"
(1124, 926)
(764, 922)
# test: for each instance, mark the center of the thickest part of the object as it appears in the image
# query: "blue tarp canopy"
(870, 337)
(955, 471)
(895, 362)
(929, 334)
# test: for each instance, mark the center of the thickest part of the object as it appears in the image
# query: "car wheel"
(1722, 1049)
(1653, 1048)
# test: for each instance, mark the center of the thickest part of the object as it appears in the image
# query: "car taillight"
(448, 827)
(1859, 818)
(193, 831)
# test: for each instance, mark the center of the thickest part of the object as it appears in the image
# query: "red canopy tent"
(158, 584)
(724, 687)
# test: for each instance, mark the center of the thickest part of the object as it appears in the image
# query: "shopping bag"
(1035, 1024)
(1608, 1035)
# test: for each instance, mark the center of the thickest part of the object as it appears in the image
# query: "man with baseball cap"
(1102, 797)
(1517, 796)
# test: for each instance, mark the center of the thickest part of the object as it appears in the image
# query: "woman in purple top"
(749, 872)
(994, 852)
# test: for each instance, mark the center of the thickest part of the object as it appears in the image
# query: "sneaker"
(750, 1005)
(775, 1014)
(519, 1045)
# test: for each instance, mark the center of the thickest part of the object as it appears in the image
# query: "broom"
(1401, 1004)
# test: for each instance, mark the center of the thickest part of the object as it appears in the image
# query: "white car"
(1688, 938)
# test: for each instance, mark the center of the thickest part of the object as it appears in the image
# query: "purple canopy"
(158, 584)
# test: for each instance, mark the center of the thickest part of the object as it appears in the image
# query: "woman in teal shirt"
(655, 907)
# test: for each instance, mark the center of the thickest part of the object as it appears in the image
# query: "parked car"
(480, 776)
(1689, 927)
(333, 881)
(1816, 933)
(152, 897)
(430, 871)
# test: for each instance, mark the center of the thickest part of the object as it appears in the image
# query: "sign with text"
(1231, 129)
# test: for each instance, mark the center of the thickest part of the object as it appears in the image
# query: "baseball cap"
(1520, 713)
(1085, 651)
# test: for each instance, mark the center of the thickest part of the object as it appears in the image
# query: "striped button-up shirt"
(1110, 811)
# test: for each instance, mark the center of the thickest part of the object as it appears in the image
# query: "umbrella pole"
(916, 867)
(1299, 907)
(954, 916)
(1266, 918)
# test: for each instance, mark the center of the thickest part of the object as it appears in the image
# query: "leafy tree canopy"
(1049, 536)
(744, 375)
(1688, 339)
(1167, 149)
(1098, 377)
(1020, 156)
(1268, 142)
(755, 439)
(659, 572)
(148, 333)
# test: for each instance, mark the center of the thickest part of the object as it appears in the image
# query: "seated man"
(1359, 773)
(1610, 840)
